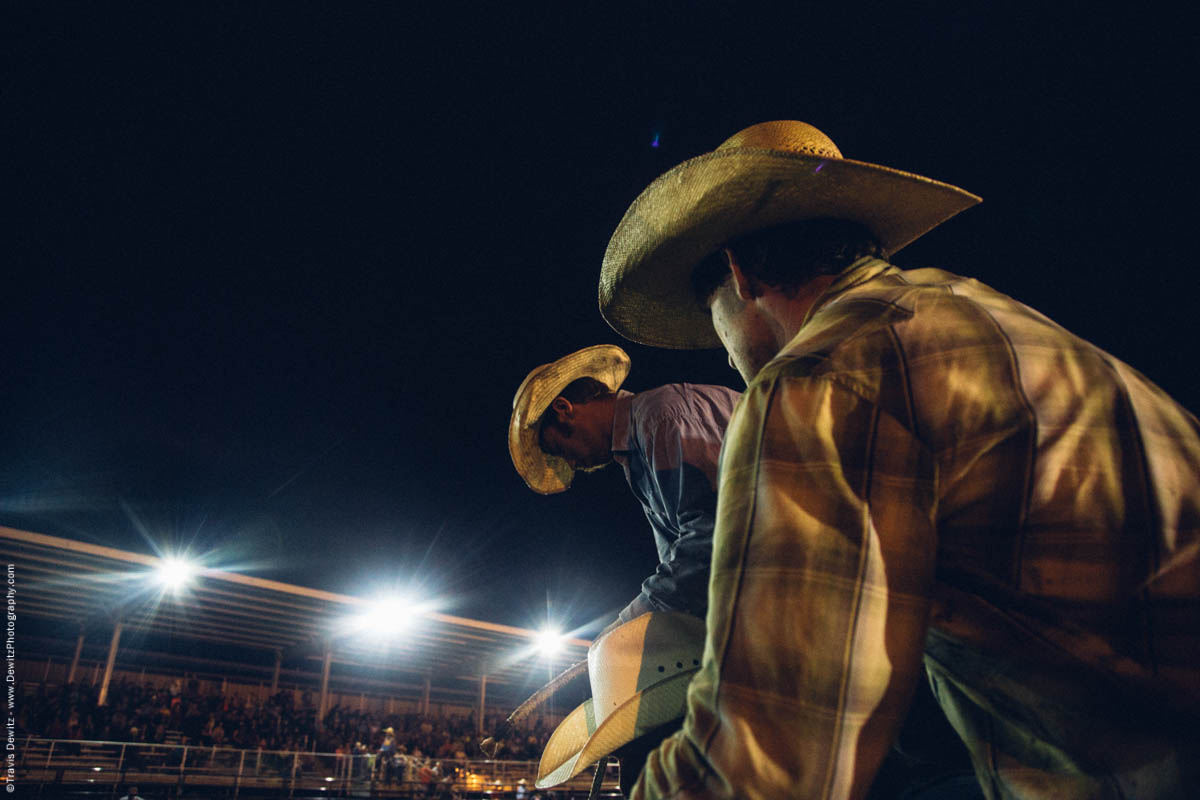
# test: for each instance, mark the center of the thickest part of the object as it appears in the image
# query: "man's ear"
(563, 410)
(746, 287)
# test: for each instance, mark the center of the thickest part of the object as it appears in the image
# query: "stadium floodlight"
(386, 617)
(549, 642)
(175, 574)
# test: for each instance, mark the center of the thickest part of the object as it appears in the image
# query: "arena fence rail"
(72, 767)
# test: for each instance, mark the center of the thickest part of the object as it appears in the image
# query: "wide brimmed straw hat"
(544, 473)
(765, 175)
(639, 674)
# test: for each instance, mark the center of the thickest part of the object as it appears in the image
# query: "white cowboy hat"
(544, 473)
(765, 175)
(639, 674)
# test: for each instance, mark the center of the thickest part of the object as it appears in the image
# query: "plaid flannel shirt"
(931, 477)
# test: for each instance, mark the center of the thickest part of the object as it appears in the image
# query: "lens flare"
(175, 574)
(550, 642)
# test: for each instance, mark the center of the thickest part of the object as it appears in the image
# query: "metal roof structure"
(69, 581)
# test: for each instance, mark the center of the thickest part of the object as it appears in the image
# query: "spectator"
(146, 714)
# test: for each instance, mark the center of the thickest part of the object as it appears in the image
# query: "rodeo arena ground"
(133, 676)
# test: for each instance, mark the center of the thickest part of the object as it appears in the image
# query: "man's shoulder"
(909, 288)
(684, 404)
(683, 395)
(893, 304)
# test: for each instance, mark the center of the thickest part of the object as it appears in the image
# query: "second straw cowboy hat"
(765, 175)
(639, 672)
(544, 473)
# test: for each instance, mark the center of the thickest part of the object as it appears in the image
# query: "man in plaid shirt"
(925, 480)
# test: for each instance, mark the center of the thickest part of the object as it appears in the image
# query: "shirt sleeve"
(824, 554)
(681, 452)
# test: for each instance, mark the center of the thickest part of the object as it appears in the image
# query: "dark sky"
(274, 271)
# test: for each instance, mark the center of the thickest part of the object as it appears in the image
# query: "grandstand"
(92, 616)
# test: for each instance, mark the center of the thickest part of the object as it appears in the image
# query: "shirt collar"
(622, 421)
(864, 269)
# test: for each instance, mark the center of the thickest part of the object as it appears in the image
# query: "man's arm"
(680, 447)
(680, 581)
(824, 554)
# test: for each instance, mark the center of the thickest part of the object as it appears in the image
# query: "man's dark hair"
(581, 390)
(789, 255)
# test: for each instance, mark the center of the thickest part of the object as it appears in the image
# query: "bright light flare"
(386, 617)
(175, 574)
(550, 642)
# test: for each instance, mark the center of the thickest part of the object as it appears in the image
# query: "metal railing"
(171, 769)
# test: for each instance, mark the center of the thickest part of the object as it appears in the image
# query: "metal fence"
(105, 769)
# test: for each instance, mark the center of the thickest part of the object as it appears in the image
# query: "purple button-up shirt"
(668, 440)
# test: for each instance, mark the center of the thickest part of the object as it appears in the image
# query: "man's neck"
(787, 313)
(596, 417)
(606, 410)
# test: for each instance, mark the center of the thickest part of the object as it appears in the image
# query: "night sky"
(274, 271)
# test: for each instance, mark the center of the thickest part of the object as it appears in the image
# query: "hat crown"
(641, 653)
(788, 135)
(639, 673)
(765, 175)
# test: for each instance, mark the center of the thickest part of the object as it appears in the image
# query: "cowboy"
(572, 415)
(387, 748)
(924, 480)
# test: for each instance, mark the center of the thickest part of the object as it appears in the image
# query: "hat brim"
(578, 742)
(543, 473)
(702, 204)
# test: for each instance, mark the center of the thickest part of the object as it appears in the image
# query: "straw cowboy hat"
(544, 473)
(639, 673)
(765, 175)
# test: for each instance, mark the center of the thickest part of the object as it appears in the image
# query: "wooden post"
(324, 685)
(120, 776)
(482, 702)
(237, 786)
(75, 659)
(108, 667)
(182, 767)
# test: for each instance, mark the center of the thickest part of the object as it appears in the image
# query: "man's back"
(1062, 473)
(1064, 494)
(668, 442)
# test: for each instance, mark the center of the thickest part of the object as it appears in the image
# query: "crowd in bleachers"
(438, 737)
(183, 714)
